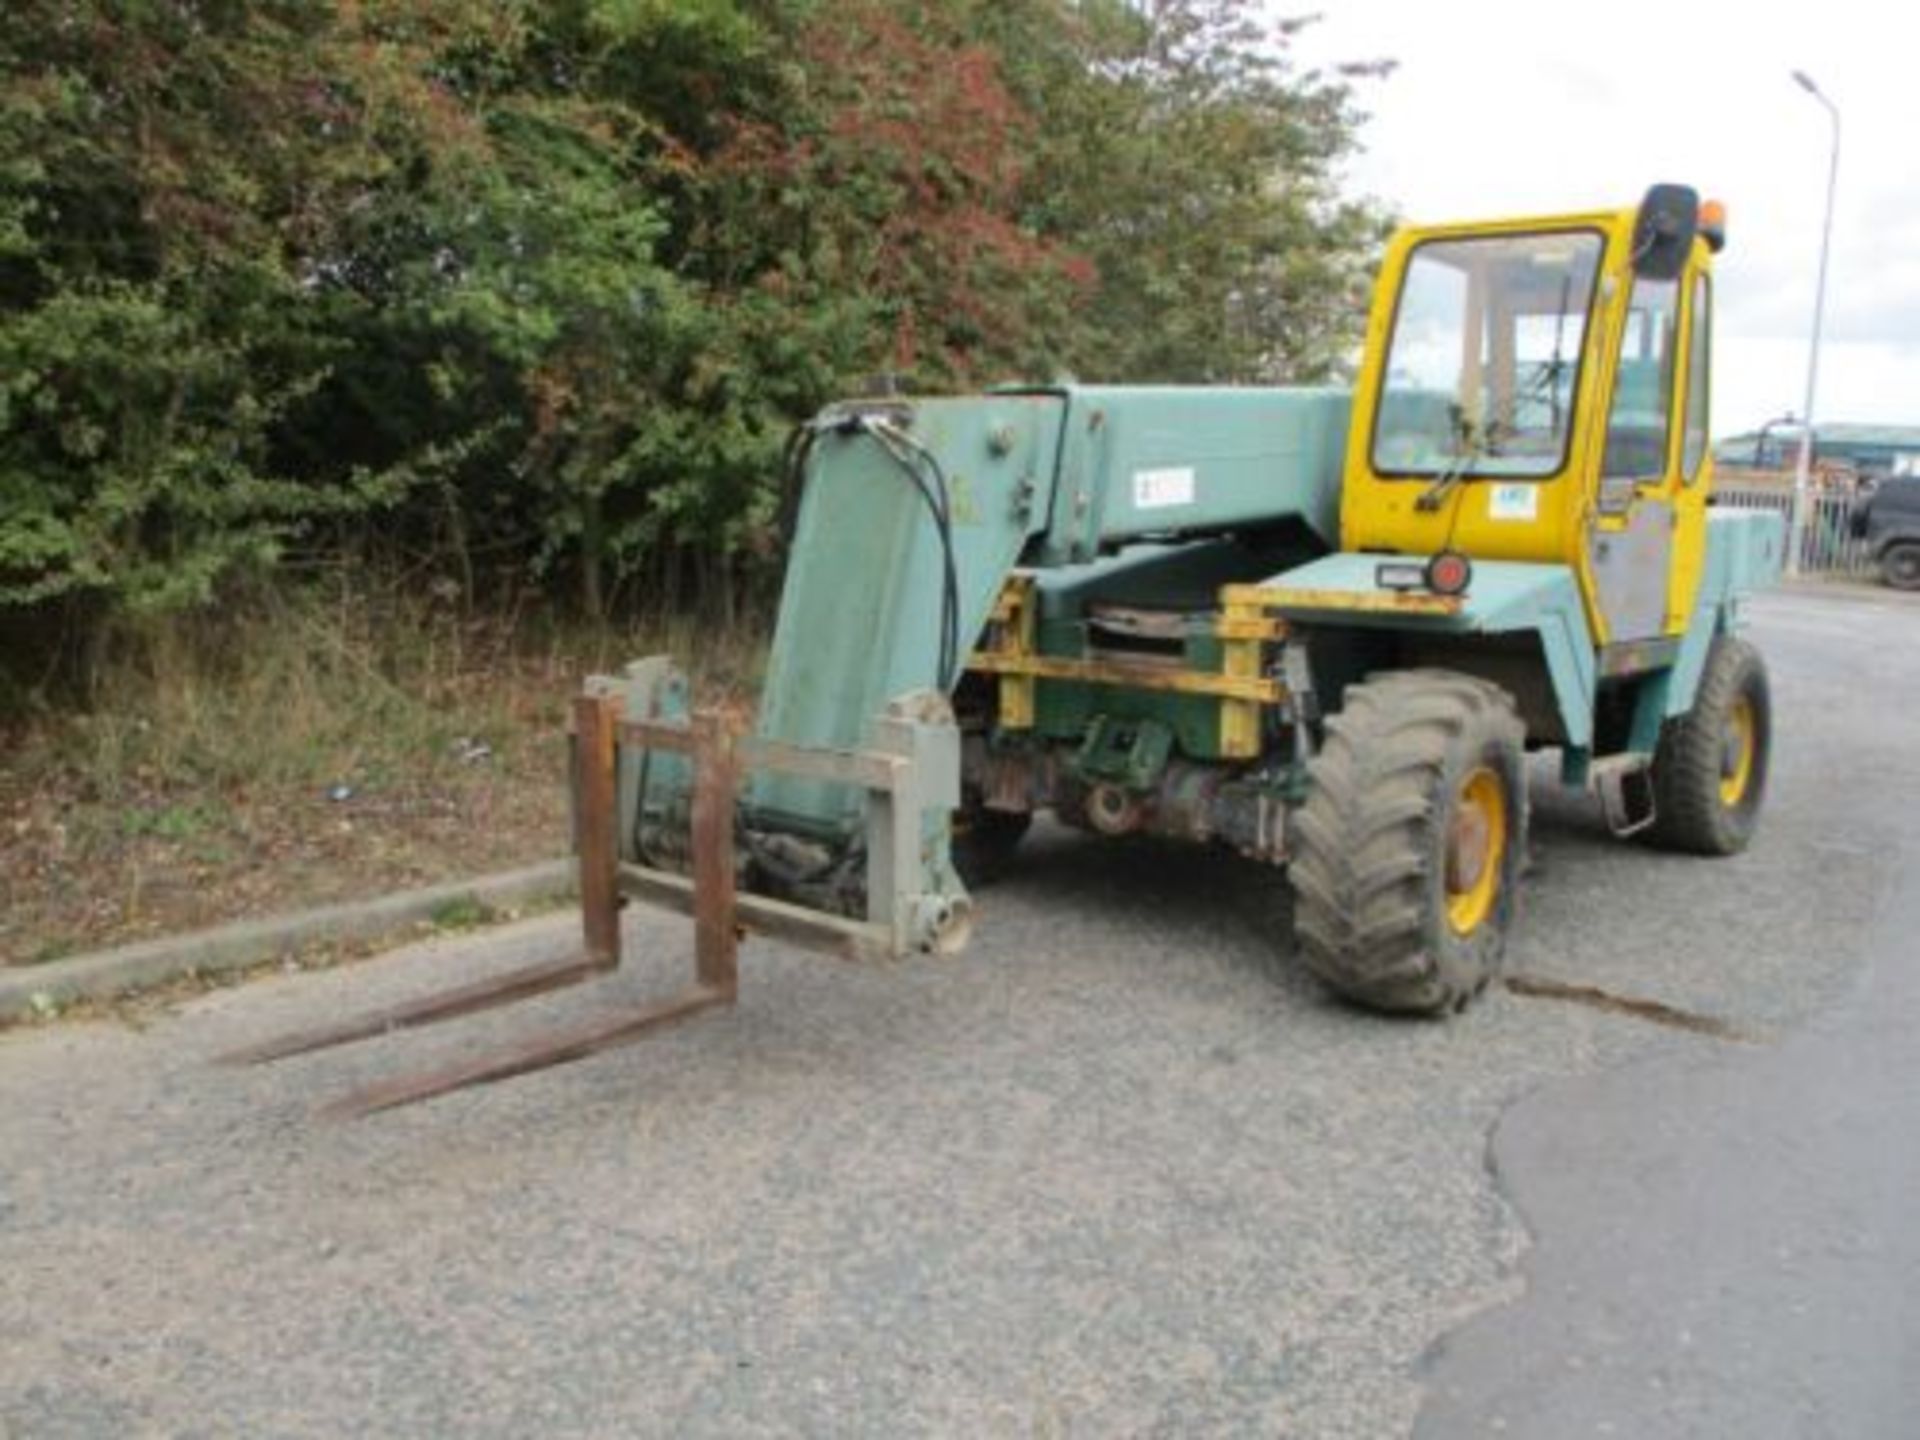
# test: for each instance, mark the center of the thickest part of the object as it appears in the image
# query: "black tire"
(1377, 847)
(1900, 565)
(983, 842)
(1692, 811)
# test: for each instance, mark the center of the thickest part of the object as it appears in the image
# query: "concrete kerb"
(104, 974)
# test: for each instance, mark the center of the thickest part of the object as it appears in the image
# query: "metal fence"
(1828, 546)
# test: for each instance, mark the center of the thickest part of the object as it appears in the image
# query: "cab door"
(1693, 478)
(1632, 527)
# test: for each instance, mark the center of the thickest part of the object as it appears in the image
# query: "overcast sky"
(1503, 107)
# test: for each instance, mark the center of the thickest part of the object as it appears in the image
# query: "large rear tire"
(1406, 855)
(1710, 770)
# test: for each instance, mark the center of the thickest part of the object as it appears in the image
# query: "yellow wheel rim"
(1736, 759)
(1476, 849)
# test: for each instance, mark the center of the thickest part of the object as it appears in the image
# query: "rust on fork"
(442, 1005)
(710, 743)
(550, 1047)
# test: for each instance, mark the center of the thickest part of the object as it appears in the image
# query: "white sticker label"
(1157, 489)
(1514, 502)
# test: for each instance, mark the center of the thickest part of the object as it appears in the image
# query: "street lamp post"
(1760, 443)
(1803, 474)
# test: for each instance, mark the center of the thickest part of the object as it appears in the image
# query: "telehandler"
(1321, 626)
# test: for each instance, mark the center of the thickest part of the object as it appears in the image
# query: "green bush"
(490, 291)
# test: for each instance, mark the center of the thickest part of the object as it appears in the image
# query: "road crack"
(1638, 1007)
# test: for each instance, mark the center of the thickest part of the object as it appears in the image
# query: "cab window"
(1483, 365)
(1698, 374)
(1640, 421)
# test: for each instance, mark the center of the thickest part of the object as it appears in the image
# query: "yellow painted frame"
(1377, 512)
(1243, 627)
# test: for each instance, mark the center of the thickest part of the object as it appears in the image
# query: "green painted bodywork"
(1129, 509)
(1132, 753)
(1506, 597)
(1179, 578)
(1066, 710)
(1057, 479)
(1243, 457)
(859, 618)
(1744, 550)
(1145, 497)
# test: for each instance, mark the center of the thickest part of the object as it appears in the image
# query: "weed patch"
(302, 748)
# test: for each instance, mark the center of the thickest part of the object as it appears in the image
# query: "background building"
(1870, 451)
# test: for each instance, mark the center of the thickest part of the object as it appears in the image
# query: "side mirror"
(1664, 230)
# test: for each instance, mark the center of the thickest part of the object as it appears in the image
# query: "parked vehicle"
(1317, 627)
(1889, 521)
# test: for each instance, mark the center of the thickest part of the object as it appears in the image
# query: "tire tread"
(1688, 814)
(1364, 858)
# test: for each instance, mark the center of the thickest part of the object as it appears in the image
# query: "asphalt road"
(1726, 1244)
(1119, 1169)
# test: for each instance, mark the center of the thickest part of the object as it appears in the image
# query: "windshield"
(1482, 368)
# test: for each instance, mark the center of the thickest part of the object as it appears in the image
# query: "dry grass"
(299, 749)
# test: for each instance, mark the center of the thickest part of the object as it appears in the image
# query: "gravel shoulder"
(1119, 1169)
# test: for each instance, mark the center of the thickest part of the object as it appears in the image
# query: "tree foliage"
(498, 287)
